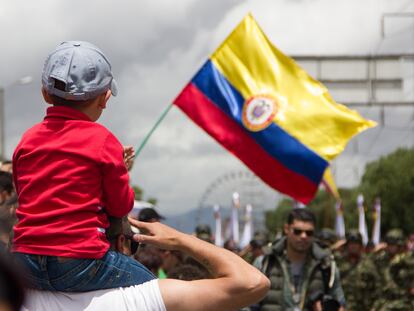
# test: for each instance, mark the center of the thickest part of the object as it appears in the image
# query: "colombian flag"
(267, 111)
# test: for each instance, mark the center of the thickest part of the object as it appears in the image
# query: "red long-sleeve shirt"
(68, 172)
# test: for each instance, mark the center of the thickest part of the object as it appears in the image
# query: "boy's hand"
(129, 154)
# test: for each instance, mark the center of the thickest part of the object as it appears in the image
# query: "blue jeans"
(82, 275)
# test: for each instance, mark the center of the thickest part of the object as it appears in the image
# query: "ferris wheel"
(250, 188)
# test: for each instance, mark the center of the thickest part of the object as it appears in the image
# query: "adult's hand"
(157, 234)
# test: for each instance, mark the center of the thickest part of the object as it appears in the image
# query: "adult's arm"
(236, 283)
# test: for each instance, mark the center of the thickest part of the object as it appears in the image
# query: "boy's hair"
(302, 214)
(59, 101)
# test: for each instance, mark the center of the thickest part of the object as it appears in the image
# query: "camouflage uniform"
(382, 259)
(398, 294)
(358, 276)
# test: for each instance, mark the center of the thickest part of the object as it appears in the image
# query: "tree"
(138, 193)
(391, 178)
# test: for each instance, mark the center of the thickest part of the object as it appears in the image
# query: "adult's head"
(395, 242)
(77, 74)
(119, 235)
(299, 229)
(6, 186)
(149, 214)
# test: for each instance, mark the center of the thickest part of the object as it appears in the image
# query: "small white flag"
(218, 236)
(235, 218)
(362, 224)
(376, 231)
(340, 223)
(248, 227)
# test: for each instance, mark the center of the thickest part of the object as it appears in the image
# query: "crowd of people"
(316, 269)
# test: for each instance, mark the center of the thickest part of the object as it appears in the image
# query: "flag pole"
(147, 137)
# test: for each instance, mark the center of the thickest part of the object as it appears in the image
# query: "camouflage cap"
(353, 235)
(395, 236)
(203, 232)
(328, 235)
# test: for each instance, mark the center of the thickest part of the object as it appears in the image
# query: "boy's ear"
(46, 96)
(105, 99)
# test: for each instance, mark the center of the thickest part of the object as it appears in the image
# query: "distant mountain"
(187, 222)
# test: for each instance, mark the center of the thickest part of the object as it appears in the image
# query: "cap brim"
(114, 87)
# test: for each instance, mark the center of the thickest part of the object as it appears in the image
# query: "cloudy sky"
(156, 47)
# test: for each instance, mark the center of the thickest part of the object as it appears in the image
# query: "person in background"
(327, 237)
(150, 257)
(303, 275)
(203, 232)
(6, 187)
(6, 166)
(149, 214)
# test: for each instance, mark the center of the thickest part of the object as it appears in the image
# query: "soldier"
(358, 275)
(302, 274)
(327, 237)
(399, 291)
(395, 244)
(350, 256)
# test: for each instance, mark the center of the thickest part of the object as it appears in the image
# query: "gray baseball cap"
(82, 67)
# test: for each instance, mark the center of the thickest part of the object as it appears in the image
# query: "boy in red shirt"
(70, 173)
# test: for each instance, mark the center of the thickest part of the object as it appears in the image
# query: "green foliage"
(391, 178)
(275, 219)
(153, 201)
(138, 193)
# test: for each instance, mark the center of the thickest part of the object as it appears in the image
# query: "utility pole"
(2, 127)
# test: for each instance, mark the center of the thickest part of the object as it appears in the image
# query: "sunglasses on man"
(298, 232)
